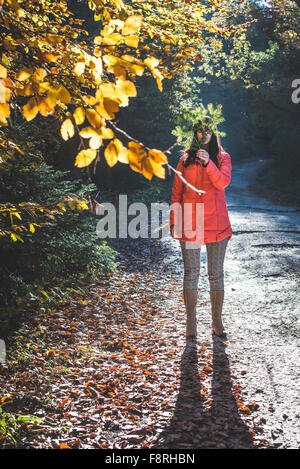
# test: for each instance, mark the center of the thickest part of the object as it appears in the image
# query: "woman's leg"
(215, 269)
(191, 261)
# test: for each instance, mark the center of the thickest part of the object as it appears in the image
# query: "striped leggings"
(215, 261)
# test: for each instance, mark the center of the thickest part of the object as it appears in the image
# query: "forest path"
(112, 369)
(262, 302)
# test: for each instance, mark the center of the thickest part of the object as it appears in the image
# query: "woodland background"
(48, 242)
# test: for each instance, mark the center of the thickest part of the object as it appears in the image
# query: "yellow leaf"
(61, 205)
(132, 41)
(63, 94)
(24, 73)
(128, 58)
(119, 72)
(90, 100)
(158, 77)
(83, 206)
(116, 65)
(94, 118)
(99, 95)
(67, 129)
(138, 149)
(4, 110)
(79, 68)
(51, 99)
(157, 168)
(3, 121)
(58, 93)
(88, 132)
(159, 83)
(112, 151)
(125, 87)
(85, 157)
(108, 90)
(3, 72)
(39, 75)
(106, 133)
(28, 90)
(132, 25)
(136, 155)
(79, 115)
(3, 92)
(95, 142)
(30, 109)
(110, 106)
(98, 40)
(108, 29)
(110, 59)
(123, 156)
(31, 228)
(44, 86)
(96, 67)
(147, 169)
(118, 24)
(51, 57)
(44, 108)
(158, 156)
(103, 112)
(137, 69)
(151, 62)
(111, 39)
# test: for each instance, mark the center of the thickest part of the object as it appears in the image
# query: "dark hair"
(213, 149)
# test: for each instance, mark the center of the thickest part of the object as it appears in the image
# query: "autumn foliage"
(50, 66)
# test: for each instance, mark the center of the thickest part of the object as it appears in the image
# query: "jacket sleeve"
(176, 191)
(220, 177)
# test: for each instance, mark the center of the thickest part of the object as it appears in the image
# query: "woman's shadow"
(201, 423)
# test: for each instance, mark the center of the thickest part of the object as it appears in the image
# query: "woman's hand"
(204, 156)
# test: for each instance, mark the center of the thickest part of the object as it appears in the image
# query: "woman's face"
(200, 134)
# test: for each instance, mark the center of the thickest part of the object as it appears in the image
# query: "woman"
(208, 169)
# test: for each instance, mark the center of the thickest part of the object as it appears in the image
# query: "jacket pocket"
(210, 206)
(210, 213)
(222, 213)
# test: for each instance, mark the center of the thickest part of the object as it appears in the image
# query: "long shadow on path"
(201, 423)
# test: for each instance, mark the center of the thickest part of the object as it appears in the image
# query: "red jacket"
(213, 180)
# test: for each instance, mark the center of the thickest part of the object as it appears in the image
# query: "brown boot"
(217, 298)
(190, 301)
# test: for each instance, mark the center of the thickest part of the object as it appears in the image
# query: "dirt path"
(262, 304)
(112, 369)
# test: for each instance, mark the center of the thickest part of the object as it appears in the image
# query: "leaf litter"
(114, 370)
